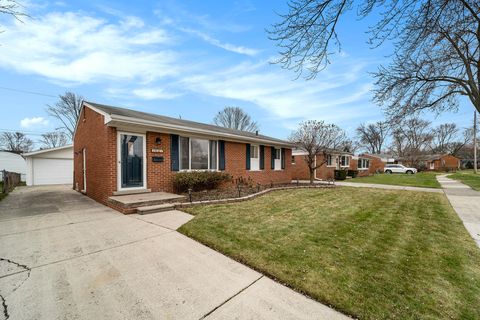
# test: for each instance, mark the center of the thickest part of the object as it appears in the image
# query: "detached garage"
(50, 166)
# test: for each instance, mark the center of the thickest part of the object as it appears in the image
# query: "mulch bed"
(238, 192)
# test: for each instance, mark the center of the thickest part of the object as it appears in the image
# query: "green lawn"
(372, 254)
(421, 179)
(468, 177)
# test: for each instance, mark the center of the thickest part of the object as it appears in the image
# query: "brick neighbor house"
(377, 162)
(120, 151)
(335, 159)
(434, 162)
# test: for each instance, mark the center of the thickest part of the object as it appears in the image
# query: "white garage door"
(52, 171)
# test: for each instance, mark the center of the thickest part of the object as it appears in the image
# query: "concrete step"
(156, 208)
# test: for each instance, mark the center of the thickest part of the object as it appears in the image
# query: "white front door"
(132, 171)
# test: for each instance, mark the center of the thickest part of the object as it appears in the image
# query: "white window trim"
(256, 160)
(190, 154)
(119, 161)
(333, 162)
(277, 161)
(84, 155)
(360, 160)
(347, 164)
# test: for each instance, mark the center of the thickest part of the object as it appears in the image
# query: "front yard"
(467, 177)
(372, 254)
(421, 179)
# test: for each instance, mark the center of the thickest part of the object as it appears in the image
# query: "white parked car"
(398, 168)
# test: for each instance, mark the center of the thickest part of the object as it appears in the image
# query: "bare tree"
(413, 135)
(235, 118)
(15, 142)
(442, 137)
(12, 8)
(317, 137)
(372, 136)
(457, 148)
(54, 139)
(67, 110)
(436, 45)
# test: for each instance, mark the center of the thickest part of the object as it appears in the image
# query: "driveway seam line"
(57, 226)
(86, 254)
(229, 299)
(157, 225)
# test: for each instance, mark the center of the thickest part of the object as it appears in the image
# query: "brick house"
(434, 162)
(335, 159)
(120, 151)
(377, 162)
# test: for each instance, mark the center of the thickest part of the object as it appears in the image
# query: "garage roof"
(33, 153)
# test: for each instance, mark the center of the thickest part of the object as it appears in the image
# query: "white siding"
(13, 162)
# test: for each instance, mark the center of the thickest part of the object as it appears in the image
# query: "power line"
(30, 133)
(29, 92)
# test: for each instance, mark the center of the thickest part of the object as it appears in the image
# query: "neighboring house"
(50, 166)
(335, 159)
(434, 162)
(377, 162)
(13, 162)
(361, 164)
(122, 151)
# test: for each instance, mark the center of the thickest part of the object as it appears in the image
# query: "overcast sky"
(180, 58)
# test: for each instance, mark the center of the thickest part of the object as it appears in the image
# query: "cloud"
(331, 97)
(79, 48)
(154, 93)
(33, 122)
(217, 43)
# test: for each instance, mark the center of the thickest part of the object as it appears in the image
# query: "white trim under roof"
(33, 153)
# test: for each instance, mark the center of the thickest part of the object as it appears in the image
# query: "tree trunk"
(312, 175)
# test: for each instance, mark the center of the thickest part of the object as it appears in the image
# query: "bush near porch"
(372, 254)
(200, 180)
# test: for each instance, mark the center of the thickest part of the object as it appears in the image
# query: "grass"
(372, 254)
(467, 177)
(421, 179)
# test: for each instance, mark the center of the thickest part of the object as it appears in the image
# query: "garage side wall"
(99, 142)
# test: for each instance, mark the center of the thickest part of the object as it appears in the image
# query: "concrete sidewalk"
(466, 203)
(64, 256)
(376, 186)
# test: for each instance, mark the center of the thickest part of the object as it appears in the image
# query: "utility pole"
(475, 141)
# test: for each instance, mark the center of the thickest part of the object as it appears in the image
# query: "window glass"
(254, 152)
(329, 159)
(293, 159)
(184, 154)
(199, 154)
(277, 154)
(213, 155)
(344, 161)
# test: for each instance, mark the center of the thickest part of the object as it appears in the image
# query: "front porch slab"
(144, 199)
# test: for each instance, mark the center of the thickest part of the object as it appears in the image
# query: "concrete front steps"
(145, 202)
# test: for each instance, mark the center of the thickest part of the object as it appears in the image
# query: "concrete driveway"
(64, 256)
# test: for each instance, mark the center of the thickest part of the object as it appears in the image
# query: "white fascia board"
(46, 150)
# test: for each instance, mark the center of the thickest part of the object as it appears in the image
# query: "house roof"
(33, 153)
(379, 155)
(297, 152)
(428, 157)
(150, 119)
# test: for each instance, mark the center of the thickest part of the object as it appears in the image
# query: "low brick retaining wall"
(249, 197)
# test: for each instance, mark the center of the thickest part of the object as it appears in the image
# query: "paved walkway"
(377, 186)
(466, 203)
(64, 256)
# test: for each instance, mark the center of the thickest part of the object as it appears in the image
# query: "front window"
(197, 154)
(254, 158)
(278, 159)
(363, 163)
(329, 160)
(293, 159)
(344, 161)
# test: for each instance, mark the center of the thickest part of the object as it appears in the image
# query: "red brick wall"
(446, 162)
(300, 169)
(375, 164)
(235, 164)
(100, 142)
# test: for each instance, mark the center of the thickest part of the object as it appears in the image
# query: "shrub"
(340, 174)
(352, 173)
(200, 180)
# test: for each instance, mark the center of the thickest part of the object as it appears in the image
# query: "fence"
(9, 180)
